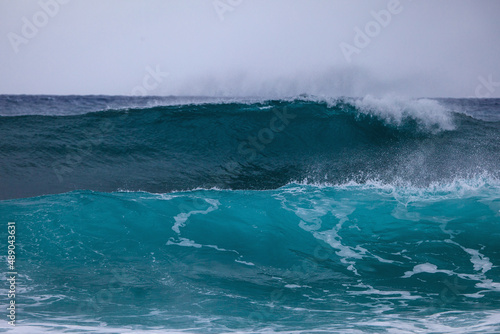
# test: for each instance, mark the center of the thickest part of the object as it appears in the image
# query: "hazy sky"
(251, 47)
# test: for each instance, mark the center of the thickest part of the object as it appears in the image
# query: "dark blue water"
(163, 146)
(206, 216)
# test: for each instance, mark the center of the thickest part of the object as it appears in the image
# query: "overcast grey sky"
(250, 47)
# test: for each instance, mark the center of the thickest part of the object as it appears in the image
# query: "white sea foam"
(452, 322)
(310, 211)
(444, 322)
(481, 264)
(388, 294)
(426, 268)
(245, 262)
(182, 217)
(185, 243)
(481, 185)
(396, 110)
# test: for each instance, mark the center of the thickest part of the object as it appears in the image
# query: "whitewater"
(206, 215)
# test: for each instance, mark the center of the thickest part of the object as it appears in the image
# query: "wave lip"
(459, 186)
(430, 114)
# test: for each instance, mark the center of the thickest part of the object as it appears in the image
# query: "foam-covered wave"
(456, 188)
(300, 257)
(245, 145)
(430, 114)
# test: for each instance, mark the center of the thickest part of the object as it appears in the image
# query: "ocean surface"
(205, 215)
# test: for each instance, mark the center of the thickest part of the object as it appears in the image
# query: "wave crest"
(395, 110)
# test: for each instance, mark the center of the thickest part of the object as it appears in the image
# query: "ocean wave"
(393, 109)
(353, 249)
(245, 146)
(308, 214)
(447, 322)
(457, 187)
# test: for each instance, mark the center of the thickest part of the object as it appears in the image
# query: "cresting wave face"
(240, 145)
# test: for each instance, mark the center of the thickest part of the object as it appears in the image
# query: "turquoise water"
(358, 216)
(352, 257)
